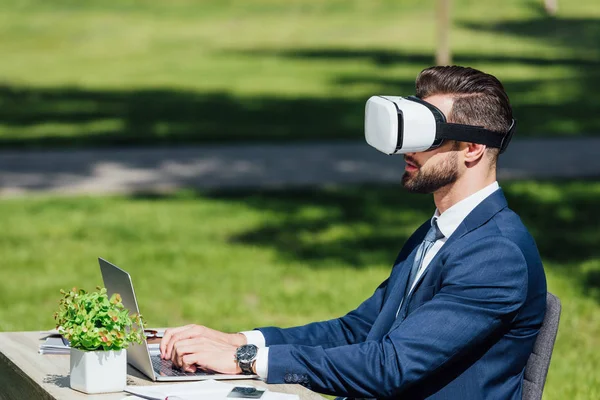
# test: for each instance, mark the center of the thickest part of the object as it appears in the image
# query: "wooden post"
(443, 55)
(551, 6)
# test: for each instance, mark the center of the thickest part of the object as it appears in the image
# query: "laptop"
(139, 355)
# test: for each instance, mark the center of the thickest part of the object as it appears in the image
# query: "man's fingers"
(190, 362)
(167, 337)
(190, 368)
(184, 348)
(189, 332)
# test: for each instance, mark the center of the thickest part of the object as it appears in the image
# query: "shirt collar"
(454, 216)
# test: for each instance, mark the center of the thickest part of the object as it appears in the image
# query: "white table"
(26, 374)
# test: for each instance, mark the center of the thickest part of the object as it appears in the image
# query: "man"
(458, 316)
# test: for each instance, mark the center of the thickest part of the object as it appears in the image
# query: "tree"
(551, 6)
(443, 55)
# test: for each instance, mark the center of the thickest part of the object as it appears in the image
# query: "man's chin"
(412, 183)
(419, 190)
(408, 183)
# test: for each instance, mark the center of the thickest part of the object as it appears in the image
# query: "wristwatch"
(245, 356)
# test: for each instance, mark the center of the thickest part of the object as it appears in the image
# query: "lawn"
(236, 260)
(102, 72)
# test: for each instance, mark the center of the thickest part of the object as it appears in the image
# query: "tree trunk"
(551, 6)
(443, 55)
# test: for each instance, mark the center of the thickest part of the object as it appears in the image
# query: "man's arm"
(483, 289)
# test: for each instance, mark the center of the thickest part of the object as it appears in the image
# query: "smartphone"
(240, 392)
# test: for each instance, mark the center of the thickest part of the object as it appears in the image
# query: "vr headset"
(398, 125)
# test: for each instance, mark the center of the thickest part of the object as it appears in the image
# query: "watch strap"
(246, 366)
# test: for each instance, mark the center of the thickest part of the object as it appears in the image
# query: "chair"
(539, 360)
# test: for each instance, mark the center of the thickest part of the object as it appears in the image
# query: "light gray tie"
(431, 237)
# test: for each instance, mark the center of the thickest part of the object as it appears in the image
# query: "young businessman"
(461, 309)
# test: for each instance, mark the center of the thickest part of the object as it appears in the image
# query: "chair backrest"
(539, 360)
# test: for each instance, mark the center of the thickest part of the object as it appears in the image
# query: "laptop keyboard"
(166, 368)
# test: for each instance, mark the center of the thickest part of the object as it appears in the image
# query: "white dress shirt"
(447, 223)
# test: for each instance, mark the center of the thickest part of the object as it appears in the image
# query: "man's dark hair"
(479, 98)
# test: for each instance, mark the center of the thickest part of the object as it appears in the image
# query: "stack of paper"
(55, 345)
(209, 389)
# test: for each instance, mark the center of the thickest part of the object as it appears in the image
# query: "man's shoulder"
(508, 224)
(505, 226)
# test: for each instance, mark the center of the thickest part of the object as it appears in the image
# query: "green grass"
(149, 72)
(236, 260)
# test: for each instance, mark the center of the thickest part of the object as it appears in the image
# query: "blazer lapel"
(489, 207)
(387, 316)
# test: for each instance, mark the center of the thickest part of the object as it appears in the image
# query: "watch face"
(246, 352)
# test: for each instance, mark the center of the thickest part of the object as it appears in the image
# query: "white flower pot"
(98, 371)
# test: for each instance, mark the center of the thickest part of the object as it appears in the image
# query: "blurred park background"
(99, 73)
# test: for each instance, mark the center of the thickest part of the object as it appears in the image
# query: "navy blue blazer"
(466, 331)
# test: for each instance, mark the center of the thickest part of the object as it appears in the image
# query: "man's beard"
(437, 177)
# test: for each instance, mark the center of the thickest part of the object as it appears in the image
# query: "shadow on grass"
(386, 57)
(33, 117)
(570, 107)
(356, 226)
(366, 225)
(573, 113)
(73, 116)
(70, 116)
(571, 33)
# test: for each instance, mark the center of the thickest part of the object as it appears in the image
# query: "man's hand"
(174, 335)
(205, 353)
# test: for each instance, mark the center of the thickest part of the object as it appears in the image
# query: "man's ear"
(473, 152)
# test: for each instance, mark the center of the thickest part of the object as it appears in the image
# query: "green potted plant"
(99, 330)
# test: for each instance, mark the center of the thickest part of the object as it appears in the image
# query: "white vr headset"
(398, 125)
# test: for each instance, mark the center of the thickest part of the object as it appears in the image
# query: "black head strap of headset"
(467, 133)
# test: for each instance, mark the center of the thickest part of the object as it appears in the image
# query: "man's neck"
(464, 187)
